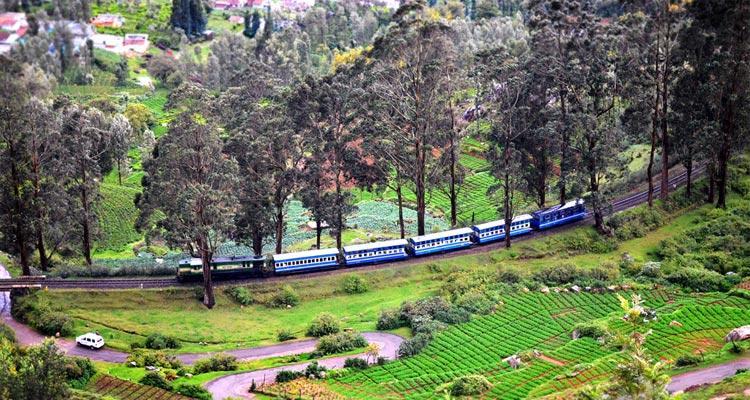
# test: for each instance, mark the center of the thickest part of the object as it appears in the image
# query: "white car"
(91, 340)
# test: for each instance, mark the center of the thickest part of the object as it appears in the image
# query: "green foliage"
(287, 376)
(157, 341)
(323, 324)
(285, 334)
(36, 311)
(390, 319)
(155, 379)
(590, 329)
(37, 372)
(79, 371)
(140, 117)
(339, 343)
(287, 297)
(687, 360)
(217, 362)
(698, 279)
(635, 223)
(415, 345)
(356, 363)
(144, 358)
(353, 284)
(193, 391)
(240, 294)
(469, 385)
(7, 333)
(117, 216)
(315, 371)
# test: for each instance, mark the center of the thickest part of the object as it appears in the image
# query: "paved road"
(708, 375)
(238, 385)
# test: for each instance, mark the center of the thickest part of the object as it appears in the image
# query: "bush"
(355, 363)
(424, 308)
(687, 360)
(78, 371)
(354, 284)
(478, 302)
(592, 330)
(339, 343)
(143, 358)
(157, 341)
(7, 333)
(699, 279)
(389, 319)
(156, 379)
(469, 385)
(52, 322)
(315, 371)
(287, 376)
(557, 275)
(637, 222)
(217, 362)
(413, 346)
(193, 391)
(285, 334)
(287, 297)
(324, 324)
(240, 295)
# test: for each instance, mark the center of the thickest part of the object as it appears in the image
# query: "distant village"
(14, 26)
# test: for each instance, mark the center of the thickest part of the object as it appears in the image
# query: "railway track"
(621, 204)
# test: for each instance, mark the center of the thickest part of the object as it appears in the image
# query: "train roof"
(195, 261)
(559, 207)
(305, 254)
(375, 245)
(440, 235)
(490, 224)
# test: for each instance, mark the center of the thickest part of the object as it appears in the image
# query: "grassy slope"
(125, 316)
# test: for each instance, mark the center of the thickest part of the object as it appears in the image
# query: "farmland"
(125, 390)
(544, 322)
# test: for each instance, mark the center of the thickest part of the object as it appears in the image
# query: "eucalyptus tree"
(190, 188)
(328, 111)
(122, 133)
(505, 99)
(408, 78)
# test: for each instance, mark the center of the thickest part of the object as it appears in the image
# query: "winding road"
(708, 375)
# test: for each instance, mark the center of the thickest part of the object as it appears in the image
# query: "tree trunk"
(689, 183)
(452, 195)
(419, 185)
(119, 172)
(279, 227)
(257, 244)
(507, 206)
(664, 110)
(711, 182)
(721, 181)
(20, 231)
(564, 149)
(400, 198)
(43, 260)
(208, 289)
(85, 224)
(318, 232)
(339, 206)
(650, 169)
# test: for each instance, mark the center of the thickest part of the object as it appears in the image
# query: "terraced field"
(536, 321)
(125, 390)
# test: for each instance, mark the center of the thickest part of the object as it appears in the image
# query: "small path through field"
(238, 385)
(707, 375)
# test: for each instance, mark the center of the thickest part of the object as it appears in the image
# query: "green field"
(544, 322)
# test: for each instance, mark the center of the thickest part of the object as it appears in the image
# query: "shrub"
(469, 385)
(509, 276)
(354, 284)
(285, 334)
(157, 341)
(78, 371)
(156, 379)
(287, 297)
(428, 326)
(7, 333)
(477, 302)
(687, 360)
(389, 319)
(51, 322)
(324, 324)
(217, 362)
(637, 222)
(651, 269)
(315, 371)
(413, 346)
(287, 376)
(143, 358)
(193, 391)
(339, 343)
(428, 307)
(557, 275)
(699, 279)
(240, 295)
(592, 330)
(355, 363)
(453, 315)
(743, 293)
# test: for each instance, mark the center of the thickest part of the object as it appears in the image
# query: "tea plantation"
(544, 322)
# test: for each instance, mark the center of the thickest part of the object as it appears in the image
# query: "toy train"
(383, 251)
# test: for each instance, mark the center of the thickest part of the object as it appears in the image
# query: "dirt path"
(707, 375)
(237, 385)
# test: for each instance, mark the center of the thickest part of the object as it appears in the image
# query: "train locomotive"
(384, 251)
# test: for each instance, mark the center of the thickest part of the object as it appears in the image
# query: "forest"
(323, 110)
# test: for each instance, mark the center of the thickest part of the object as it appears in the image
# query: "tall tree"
(409, 79)
(86, 138)
(190, 16)
(193, 183)
(720, 29)
(121, 138)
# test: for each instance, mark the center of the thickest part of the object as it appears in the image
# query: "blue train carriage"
(441, 241)
(311, 260)
(495, 230)
(368, 253)
(240, 266)
(571, 211)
